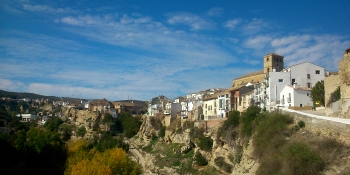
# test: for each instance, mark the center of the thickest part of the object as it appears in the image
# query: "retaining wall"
(330, 127)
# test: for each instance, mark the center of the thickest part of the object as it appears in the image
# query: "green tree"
(81, 131)
(53, 124)
(66, 131)
(247, 118)
(317, 93)
(162, 131)
(335, 96)
(131, 125)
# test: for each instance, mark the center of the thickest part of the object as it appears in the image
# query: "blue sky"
(140, 49)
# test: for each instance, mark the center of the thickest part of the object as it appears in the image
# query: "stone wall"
(323, 127)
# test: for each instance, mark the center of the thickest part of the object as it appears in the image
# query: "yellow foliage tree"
(112, 161)
(86, 167)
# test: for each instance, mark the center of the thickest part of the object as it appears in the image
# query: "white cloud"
(10, 85)
(258, 42)
(216, 11)
(256, 26)
(194, 21)
(324, 50)
(46, 9)
(251, 61)
(232, 24)
(278, 42)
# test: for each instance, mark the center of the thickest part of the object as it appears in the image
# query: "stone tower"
(273, 61)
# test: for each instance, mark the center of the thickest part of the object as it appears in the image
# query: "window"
(267, 59)
(308, 76)
(293, 81)
(309, 85)
(317, 71)
(307, 94)
(280, 80)
(268, 69)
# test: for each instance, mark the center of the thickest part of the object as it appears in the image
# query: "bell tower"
(273, 62)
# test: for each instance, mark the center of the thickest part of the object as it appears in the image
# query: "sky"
(139, 49)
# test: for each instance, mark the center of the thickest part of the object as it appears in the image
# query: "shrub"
(299, 159)
(239, 154)
(162, 131)
(81, 131)
(220, 162)
(155, 122)
(200, 159)
(179, 130)
(270, 134)
(247, 118)
(205, 143)
(301, 124)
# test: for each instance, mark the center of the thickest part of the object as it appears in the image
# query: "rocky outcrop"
(173, 137)
(90, 120)
(147, 128)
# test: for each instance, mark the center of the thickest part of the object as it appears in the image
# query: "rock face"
(185, 149)
(344, 73)
(340, 108)
(173, 137)
(90, 120)
(146, 128)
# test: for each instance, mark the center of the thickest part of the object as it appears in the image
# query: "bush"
(162, 131)
(53, 124)
(81, 131)
(301, 124)
(270, 134)
(156, 123)
(239, 154)
(228, 126)
(247, 119)
(200, 159)
(220, 162)
(179, 130)
(299, 159)
(205, 143)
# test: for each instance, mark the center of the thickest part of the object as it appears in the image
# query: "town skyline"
(131, 49)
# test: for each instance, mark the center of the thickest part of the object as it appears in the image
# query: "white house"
(223, 104)
(296, 97)
(275, 82)
(304, 74)
(27, 117)
(210, 107)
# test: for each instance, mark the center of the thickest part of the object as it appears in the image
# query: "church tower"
(273, 61)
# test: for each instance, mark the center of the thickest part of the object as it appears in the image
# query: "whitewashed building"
(303, 75)
(27, 117)
(296, 97)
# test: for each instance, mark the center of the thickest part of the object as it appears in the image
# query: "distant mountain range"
(20, 95)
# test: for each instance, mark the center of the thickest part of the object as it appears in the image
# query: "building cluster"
(273, 87)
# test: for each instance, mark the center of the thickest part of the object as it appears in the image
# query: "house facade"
(296, 97)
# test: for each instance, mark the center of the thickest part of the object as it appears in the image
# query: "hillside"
(20, 95)
(248, 143)
(142, 104)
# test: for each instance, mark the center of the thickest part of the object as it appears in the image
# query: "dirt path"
(138, 155)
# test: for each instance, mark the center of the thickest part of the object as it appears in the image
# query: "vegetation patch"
(200, 159)
(220, 162)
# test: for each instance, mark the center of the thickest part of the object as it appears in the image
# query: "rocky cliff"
(90, 120)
